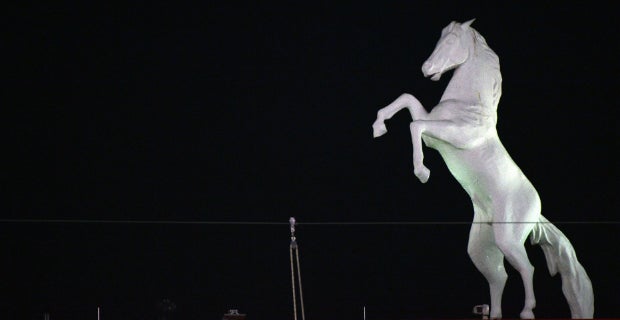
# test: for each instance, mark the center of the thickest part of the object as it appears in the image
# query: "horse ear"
(465, 25)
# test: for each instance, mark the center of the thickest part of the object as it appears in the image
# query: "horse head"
(451, 50)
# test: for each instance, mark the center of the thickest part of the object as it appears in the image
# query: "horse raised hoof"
(378, 128)
(422, 173)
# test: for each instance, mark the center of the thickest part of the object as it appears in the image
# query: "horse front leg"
(405, 100)
(442, 129)
(458, 135)
(419, 169)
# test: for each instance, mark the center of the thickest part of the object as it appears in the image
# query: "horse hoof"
(527, 314)
(378, 129)
(422, 174)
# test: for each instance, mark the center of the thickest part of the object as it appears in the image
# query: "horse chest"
(475, 169)
(456, 160)
(463, 170)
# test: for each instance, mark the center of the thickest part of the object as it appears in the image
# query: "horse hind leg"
(510, 238)
(405, 100)
(489, 260)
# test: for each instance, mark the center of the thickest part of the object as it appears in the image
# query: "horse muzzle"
(429, 70)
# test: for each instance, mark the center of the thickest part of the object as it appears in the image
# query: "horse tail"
(561, 256)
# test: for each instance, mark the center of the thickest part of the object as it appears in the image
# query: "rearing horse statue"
(462, 128)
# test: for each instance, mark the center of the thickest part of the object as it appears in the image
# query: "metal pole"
(292, 246)
(301, 295)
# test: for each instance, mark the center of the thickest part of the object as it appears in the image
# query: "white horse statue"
(462, 127)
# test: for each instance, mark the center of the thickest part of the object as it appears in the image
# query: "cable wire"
(272, 223)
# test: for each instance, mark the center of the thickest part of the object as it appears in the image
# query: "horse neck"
(477, 81)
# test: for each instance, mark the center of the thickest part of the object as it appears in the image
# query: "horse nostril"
(425, 66)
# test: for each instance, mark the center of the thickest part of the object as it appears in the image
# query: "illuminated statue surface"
(462, 128)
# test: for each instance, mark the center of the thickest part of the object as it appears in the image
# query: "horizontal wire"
(83, 221)
(454, 222)
(327, 223)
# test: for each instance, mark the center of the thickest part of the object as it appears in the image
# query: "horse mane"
(480, 44)
(481, 47)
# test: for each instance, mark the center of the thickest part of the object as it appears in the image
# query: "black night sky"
(222, 112)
